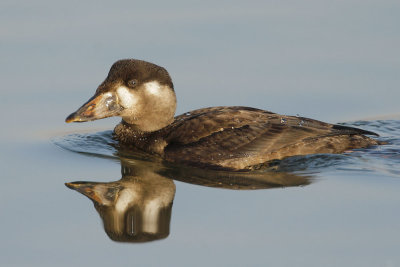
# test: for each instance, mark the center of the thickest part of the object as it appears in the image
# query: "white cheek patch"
(125, 198)
(150, 216)
(126, 98)
(153, 88)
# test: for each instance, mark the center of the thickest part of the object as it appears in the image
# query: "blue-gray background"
(329, 60)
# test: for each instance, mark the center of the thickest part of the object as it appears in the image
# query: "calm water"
(333, 61)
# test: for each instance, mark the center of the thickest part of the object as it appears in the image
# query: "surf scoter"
(231, 138)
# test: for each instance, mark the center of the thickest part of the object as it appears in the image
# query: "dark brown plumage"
(233, 138)
(241, 138)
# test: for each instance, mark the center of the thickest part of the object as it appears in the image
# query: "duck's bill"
(98, 107)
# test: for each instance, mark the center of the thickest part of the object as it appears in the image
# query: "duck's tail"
(352, 130)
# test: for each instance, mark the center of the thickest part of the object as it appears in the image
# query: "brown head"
(140, 92)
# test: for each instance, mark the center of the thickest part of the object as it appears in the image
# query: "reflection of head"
(133, 209)
(137, 224)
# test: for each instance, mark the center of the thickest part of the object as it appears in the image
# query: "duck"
(233, 138)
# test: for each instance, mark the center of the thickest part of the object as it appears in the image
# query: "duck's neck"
(151, 122)
(128, 134)
(137, 130)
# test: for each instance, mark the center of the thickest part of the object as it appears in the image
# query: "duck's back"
(242, 138)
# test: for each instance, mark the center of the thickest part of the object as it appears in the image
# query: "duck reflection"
(138, 207)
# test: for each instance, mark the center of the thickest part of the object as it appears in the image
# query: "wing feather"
(242, 136)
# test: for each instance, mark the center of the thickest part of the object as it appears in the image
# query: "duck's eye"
(132, 83)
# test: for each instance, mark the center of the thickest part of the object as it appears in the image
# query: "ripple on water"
(99, 144)
(380, 159)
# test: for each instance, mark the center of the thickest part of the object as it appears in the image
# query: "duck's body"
(240, 138)
(235, 138)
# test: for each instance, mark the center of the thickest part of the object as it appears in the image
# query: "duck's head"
(140, 92)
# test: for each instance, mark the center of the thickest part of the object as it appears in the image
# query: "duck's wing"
(236, 137)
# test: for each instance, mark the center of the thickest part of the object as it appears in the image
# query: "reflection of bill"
(138, 207)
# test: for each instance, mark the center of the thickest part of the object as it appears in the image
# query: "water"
(328, 209)
(332, 61)
(139, 207)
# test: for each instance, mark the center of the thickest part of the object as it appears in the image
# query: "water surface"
(337, 198)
